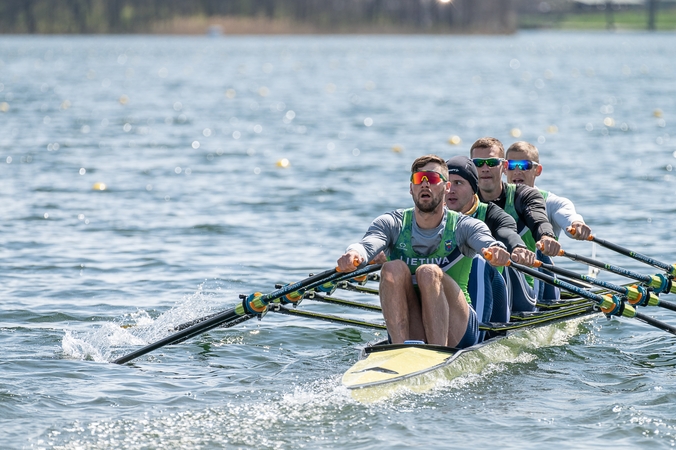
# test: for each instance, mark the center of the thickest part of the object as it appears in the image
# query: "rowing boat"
(386, 368)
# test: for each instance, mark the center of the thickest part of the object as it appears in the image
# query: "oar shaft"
(667, 305)
(634, 294)
(604, 301)
(253, 306)
(656, 323)
(670, 269)
(551, 280)
(186, 333)
(609, 304)
(228, 315)
(570, 274)
(661, 283)
(609, 267)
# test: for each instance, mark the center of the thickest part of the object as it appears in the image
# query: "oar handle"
(572, 231)
(356, 263)
(488, 254)
(541, 246)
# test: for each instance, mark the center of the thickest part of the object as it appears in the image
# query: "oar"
(611, 305)
(670, 269)
(254, 305)
(296, 297)
(659, 282)
(636, 295)
(327, 317)
(342, 302)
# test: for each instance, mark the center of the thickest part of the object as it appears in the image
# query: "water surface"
(187, 134)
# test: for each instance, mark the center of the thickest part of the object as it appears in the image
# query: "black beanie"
(464, 167)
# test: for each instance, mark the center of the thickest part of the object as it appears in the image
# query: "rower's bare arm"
(522, 255)
(549, 246)
(579, 231)
(349, 261)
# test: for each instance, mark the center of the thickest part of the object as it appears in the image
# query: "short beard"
(431, 206)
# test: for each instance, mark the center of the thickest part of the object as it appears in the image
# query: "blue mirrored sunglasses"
(521, 164)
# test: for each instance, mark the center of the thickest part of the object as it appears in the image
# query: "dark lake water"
(191, 137)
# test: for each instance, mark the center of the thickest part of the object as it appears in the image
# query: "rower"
(423, 287)
(523, 166)
(525, 204)
(463, 198)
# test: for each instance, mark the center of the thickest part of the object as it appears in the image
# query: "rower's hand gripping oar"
(610, 305)
(669, 269)
(255, 304)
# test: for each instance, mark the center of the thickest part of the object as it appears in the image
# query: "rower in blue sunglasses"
(523, 167)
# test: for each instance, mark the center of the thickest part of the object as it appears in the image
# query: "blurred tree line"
(139, 16)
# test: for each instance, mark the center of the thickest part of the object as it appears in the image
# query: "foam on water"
(272, 421)
(97, 345)
(304, 414)
(137, 328)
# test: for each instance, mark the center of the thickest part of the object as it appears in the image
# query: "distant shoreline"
(595, 21)
(244, 26)
(230, 25)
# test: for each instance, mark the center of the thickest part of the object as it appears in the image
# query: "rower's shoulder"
(529, 193)
(493, 210)
(553, 198)
(524, 188)
(390, 217)
(469, 222)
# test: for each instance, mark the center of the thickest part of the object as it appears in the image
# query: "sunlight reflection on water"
(235, 163)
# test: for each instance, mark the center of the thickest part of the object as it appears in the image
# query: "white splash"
(137, 328)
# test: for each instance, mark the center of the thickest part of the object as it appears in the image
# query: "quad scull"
(384, 367)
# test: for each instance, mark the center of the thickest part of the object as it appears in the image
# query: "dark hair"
(487, 142)
(424, 160)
